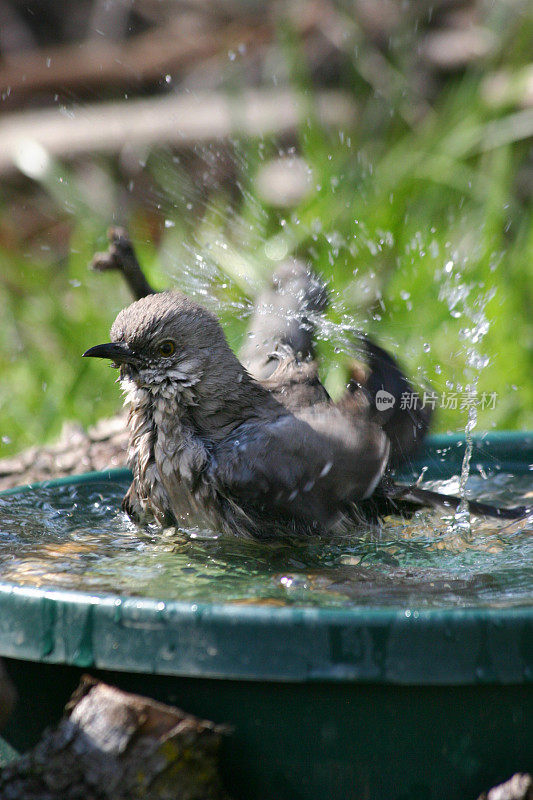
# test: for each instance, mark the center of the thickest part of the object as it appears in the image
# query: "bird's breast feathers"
(301, 465)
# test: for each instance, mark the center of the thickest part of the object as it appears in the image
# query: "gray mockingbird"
(210, 446)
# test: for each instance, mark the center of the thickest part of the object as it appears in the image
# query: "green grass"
(391, 204)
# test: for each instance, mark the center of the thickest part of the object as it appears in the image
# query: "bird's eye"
(167, 348)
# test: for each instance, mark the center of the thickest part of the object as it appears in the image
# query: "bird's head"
(166, 342)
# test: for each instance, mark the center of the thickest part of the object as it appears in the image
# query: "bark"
(519, 787)
(111, 745)
(101, 447)
(143, 58)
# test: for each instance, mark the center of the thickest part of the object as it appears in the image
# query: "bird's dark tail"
(417, 496)
(396, 406)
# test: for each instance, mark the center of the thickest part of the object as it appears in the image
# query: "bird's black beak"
(118, 352)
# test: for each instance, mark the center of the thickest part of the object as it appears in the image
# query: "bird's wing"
(295, 384)
(283, 318)
(302, 466)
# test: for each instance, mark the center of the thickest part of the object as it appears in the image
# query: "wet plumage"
(267, 454)
(211, 446)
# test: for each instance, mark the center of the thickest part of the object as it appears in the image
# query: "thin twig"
(121, 257)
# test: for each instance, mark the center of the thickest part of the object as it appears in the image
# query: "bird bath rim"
(430, 646)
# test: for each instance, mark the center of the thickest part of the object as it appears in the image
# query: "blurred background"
(389, 143)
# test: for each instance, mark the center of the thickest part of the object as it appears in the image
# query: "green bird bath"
(395, 663)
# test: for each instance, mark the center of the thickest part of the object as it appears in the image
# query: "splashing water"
(457, 294)
(74, 537)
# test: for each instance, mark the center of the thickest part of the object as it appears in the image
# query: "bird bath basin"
(397, 663)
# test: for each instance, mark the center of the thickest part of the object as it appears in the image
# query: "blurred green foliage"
(419, 227)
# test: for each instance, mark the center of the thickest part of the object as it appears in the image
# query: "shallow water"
(74, 537)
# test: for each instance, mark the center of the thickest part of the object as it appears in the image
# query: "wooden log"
(145, 57)
(111, 745)
(102, 446)
(28, 140)
(519, 787)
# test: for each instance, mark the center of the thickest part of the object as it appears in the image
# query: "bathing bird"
(282, 328)
(265, 456)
